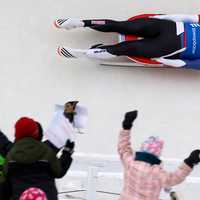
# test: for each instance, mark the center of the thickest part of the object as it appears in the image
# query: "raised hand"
(128, 119)
(69, 146)
(193, 159)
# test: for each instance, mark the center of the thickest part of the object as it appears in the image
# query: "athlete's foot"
(68, 23)
(91, 53)
(99, 53)
(71, 53)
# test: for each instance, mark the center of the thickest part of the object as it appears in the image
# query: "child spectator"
(144, 176)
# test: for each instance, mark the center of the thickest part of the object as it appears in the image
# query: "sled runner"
(133, 64)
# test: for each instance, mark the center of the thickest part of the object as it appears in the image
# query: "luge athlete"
(173, 40)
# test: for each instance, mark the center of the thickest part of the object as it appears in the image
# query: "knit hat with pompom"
(33, 194)
(152, 145)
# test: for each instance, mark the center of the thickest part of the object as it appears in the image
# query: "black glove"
(173, 196)
(193, 159)
(128, 119)
(69, 146)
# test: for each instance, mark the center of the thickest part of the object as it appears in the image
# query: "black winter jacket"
(31, 163)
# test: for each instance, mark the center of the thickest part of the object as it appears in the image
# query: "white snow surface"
(34, 78)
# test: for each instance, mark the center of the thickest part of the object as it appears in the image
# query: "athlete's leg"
(145, 48)
(149, 47)
(146, 27)
(165, 43)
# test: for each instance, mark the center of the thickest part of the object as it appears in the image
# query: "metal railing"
(92, 167)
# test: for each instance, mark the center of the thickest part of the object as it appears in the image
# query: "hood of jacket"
(27, 151)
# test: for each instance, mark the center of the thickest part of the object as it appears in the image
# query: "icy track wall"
(34, 78)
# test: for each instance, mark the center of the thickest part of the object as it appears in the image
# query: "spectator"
(144, 176)
(31, 163)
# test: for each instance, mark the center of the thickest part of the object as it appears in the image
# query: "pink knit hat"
(152, 145)
(33, 194)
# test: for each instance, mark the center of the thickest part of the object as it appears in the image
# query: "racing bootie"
(71, 53)
(99, 53)
(68, 23)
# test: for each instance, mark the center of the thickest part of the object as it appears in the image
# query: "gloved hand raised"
(128, 119)
(193, 159)
(69, 146)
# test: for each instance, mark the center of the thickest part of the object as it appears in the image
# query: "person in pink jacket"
(144, 176)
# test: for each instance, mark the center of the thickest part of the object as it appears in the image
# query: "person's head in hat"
(153, 145)
(28, 127)
(69, 110)
(76, 114)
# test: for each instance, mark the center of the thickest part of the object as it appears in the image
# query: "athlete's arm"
(178, 63)
(179, 17)
(171, 62)
(192, 64)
